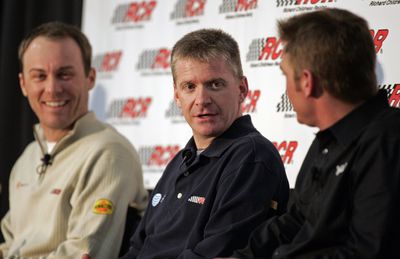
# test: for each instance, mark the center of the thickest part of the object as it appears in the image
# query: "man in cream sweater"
(71, 187)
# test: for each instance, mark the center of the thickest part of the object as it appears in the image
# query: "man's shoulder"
(30, 150)
(107, 136)
(253, 148)
(253, 141)
(387, 124)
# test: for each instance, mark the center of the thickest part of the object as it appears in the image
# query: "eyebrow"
(217, 79)
(34, 69)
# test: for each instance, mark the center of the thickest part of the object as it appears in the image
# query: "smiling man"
(71, 187)
(228, 178)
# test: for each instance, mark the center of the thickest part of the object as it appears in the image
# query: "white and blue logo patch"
(156, 199)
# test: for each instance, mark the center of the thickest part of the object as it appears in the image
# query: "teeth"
(55, 104)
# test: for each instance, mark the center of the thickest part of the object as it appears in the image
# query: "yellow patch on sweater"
(103, 206)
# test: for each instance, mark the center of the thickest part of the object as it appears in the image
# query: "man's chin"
(209, 133)
(57, 125)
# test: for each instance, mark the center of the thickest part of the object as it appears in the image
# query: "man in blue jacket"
(228, 178)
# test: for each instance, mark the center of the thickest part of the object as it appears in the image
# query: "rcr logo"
(250, 103)
(140, 11)
(154, 60)
(286, 150)
(157, 155)
(129, 108)
(379, 37)
(302, 2)
(162, 59)
(162, 155)
(298, 2)
(188, 9)
(272, 49)
(194, 7)
(394, 99)
(134, 108)
(107, 62)
(134, 12)
(244, 5)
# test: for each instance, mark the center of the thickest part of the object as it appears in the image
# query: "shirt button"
(325, 151)
(186, 173)
(179, 195)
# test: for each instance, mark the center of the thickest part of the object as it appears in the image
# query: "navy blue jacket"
(206, 205)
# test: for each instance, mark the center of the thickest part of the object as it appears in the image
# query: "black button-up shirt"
(346, 199)
(205, 205)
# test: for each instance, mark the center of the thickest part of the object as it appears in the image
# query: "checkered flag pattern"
(280, 3)
(284, 105)
(255, 49)
(146, 59)
(228, 6)
(179, 11)
(389, 88)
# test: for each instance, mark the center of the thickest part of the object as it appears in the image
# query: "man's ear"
(22, 84)
(91, 78)
(307, 82)
(243, 88)
(176, 97)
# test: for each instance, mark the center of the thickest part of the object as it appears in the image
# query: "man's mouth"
(205, 115)
(56, 104)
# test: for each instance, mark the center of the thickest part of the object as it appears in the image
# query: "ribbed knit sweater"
(77, 204)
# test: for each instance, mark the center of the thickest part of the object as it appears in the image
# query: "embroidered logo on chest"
(340, 169)
(197, 200)
(56, 191)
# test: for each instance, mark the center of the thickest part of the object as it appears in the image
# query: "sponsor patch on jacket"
(103, 206)
(197, 199)
(156, 199)
(56, 191)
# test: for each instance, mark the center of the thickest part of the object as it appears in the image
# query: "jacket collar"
(353, 124)
(85, 125)
(240, 127)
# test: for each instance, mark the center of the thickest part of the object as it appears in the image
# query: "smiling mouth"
(205, 115)
(55, 104)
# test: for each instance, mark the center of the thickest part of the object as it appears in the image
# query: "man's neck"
(55, 135)
(202, 143)
(330, 110)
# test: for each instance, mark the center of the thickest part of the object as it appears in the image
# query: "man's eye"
(65, 75)
(189, 86)
(216, 85)
(39, 77)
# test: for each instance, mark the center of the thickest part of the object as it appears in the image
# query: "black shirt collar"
(240, 127)
(350, 126)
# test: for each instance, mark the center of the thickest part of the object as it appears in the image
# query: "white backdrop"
(132, 40)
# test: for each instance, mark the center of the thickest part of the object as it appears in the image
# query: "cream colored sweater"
(78, 204)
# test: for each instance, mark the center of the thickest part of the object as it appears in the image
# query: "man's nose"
(53, 85)
(203, 96)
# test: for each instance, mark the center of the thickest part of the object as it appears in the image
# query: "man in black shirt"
(229, 178)
(346, 199)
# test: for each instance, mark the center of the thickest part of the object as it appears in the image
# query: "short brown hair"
(59, 30)
(206, 44)
(336, 45)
